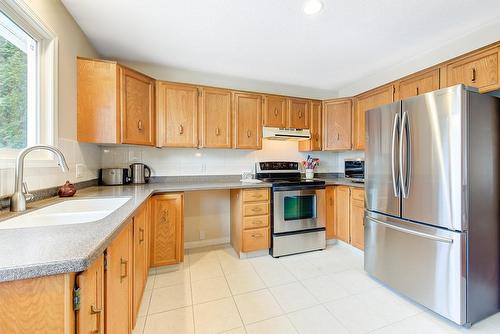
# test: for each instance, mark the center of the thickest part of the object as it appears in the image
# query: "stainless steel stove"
(297, 208)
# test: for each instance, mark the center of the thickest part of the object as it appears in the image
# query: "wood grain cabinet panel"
(90, 316)
(167, 237)
(342, 212)
(369, 100)
(177, 115)
(480, 69)
(275, 111)
(298, 113)
(330, 212)
(316, 128)
(337, 125)
(255, 239)
(216, 120)
(114, 104)
(247, 113)
(357, 226)
(140, 258)
(419, 84)
(119, 276)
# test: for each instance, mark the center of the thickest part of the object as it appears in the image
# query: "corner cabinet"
(247, 115)
(115, 104)
(215, 118)
(167, 234)
(316, 128)
(177, 115)
(337, 125)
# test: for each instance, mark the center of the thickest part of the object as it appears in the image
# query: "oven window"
(300, 207)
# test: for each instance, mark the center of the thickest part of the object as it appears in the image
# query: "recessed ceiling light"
(312, 7)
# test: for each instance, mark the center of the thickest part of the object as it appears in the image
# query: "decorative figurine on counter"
(67, 190)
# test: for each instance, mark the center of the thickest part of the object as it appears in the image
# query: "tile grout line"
(191, 289)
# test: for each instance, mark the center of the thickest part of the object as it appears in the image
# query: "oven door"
(297, 210)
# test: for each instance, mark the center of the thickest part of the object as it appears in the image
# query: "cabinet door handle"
(331, 201)
(417, 91)
(300, 113)
(217, 131)
(276, 112)
(141, 235)
(181, 129)
(139, 125)
(249, 133)
(317, 137)
(338, 136)
(473, 77)
(123, 269)
(97, 312)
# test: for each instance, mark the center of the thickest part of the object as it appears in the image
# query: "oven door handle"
(292, 188)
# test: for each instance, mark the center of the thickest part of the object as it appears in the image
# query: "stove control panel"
(278, 166)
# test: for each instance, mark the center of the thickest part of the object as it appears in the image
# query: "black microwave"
(354, 169)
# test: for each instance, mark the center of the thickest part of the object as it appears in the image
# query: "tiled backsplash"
(171, 161)
(41, 175)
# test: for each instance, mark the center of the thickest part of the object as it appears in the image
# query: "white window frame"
(47, 83)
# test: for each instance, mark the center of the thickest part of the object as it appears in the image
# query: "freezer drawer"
(424, 263)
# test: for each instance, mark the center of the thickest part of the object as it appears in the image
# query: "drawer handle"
(124, 266)
(257, 209)
(257, 195)
(139, 125)
(97, 312)
(257, 235)
(141, 235)
(181, 129)
(257, 222)
(473, 78)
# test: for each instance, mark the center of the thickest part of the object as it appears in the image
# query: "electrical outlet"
(202, 235)
(79, 169)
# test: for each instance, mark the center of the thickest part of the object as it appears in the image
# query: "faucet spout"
(18, 199)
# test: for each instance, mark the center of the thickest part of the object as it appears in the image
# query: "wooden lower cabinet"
(250, 218)
(348, 213)
(357, 226)
(90, 314)
(167, 234)
(141, 254)
(342, 212)
(330, 212)
(119, 274)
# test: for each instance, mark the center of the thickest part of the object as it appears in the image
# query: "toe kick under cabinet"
(250, 217)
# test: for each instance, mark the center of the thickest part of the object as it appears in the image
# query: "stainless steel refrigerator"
(432, 201)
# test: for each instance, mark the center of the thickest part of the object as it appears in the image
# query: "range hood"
(285, 134)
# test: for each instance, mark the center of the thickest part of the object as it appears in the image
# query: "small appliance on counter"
(140, 173)
(354, 169)
(113, 176)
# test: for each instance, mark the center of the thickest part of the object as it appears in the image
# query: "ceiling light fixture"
(312, 7)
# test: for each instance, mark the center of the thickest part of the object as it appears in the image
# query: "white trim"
(350, 247)
(207, 242)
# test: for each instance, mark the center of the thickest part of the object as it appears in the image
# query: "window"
(28, 82)
(18, 86)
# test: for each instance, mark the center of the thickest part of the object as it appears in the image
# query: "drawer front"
(256, 239)
(358, 194)
(478, 71)
(252, 195)
(255, 209)
(254, 222)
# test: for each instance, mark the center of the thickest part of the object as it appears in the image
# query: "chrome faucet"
(18, 199)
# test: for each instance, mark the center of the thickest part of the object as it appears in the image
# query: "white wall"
(171, 162)
(72, 43)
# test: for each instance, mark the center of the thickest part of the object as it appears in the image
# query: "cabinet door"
(315, 143)
(177, 115)
(342, 208)
(247, 121)
(479, 70)
(137, 108)
(167, 244)
(357, 221)
(140, 256)
(330, 212)
(118, 305)
(337, 122)
(298, 114)
(215, 118)
(364, 102)
(419, 84)
(90, 316)
(275, 111)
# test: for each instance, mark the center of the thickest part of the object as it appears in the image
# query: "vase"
(309, 174)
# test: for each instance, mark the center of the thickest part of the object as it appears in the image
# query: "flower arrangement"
(310, 163)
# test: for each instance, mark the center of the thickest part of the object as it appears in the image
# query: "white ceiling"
(273, 40)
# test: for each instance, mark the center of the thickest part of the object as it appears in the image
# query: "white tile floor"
(314, 293)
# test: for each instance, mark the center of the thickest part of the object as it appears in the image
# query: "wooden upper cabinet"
(215, 114)
(342, 213)
(247, 113)
(118, 303)
(419, 84)
(137, 108)
(177, 115)
(366, 101)
(167, 236)
(357, 227)
(90, 316)
(316, 128)
(337, 125)
(140, 221)
(330, 212)
(115, 105)
(298, 113)
(275, 111)
(480, 69)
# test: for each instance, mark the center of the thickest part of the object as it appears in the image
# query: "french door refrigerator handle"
(403, 177)
(395, 180)
(408, 231)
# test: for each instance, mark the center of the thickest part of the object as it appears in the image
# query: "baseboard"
(204, 243)
(350, 247)
(331, 242)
